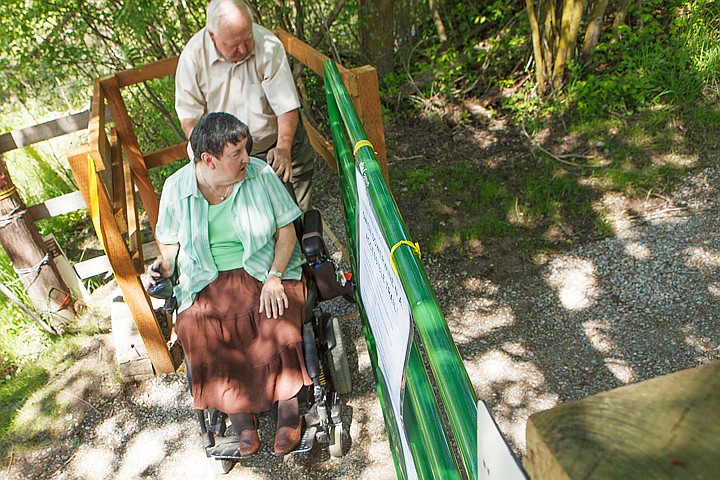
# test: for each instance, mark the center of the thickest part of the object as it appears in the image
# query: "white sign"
(495, 459)
(387, 308)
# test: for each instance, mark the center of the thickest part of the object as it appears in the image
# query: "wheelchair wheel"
(337, 445)
(221, 467)
(338, 362)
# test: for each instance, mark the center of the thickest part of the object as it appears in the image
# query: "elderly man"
(234, 65)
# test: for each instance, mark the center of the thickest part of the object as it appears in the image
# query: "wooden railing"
(108, 180)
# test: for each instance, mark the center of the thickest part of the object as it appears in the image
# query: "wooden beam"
(57, 206)
(159, 69)
(369, 109)
(166, 155)
(98, 265)
(44, 131)
(667, 427)
(322, 146)
(133, 218)
(127, 278)
(100, 147)
(129, 142)
(118, 184)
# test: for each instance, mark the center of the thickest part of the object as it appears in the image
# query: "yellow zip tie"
(94, 200)
(415, 246)
(363, 143)
(6, 193)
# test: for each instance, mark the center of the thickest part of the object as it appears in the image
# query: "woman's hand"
(160, 269)
(273, 300)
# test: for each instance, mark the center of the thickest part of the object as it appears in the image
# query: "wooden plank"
(313, 59)
(166, 155)
(161, 68)
(134, 294)
(92, 267)
(25, 137)
(129, 142)
(101, 264)
(667, 427)
(67, 203)
(100, 147)
(44, 131)
(118, 183)
(130, 352)
(133, 218)
(67, 272)
(368, 107)
(322, 146)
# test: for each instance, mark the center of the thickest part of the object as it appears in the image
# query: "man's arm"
(187, 125)
(280, 158)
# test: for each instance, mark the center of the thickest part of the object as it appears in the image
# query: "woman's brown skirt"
(241, 361)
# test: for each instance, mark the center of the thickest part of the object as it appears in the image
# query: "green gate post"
(454, 385)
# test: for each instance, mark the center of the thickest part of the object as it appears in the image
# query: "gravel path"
(635, 306)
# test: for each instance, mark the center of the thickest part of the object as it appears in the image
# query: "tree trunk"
(619, 20)
(592, 34)
(571, 16)
(377, 33)
(30, 258)
(537, 45)
(439, 25)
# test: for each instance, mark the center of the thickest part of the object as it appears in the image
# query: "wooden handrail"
(151, 71)
(44, 131)
(125, 274)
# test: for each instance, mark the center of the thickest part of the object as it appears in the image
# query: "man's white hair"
(217, 9)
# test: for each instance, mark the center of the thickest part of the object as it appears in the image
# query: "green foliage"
(13, 395)
(21, 340)
(700, 25)
(483, 51)
(53, 47)
(670, 59)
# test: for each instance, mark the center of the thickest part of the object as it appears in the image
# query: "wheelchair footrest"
(307, 440)
(226, 448)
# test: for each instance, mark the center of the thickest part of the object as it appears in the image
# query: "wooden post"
(129, 142)
(31, 260)
(127, 278)
(368, 107)
(667, 427)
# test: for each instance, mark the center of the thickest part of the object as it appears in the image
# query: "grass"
(541, 202)
(31, 410)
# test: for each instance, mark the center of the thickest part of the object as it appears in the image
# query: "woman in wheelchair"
(227, 221)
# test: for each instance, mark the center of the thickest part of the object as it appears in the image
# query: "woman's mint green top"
(259, 205)
(225, 245)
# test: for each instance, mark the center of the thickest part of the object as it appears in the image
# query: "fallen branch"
(82, 400)
(559, 158)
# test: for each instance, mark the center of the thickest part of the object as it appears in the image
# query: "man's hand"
(280, 161)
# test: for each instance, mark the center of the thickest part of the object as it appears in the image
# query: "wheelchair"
(325, 359)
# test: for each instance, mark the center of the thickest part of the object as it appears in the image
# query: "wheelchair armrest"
(312, 240)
